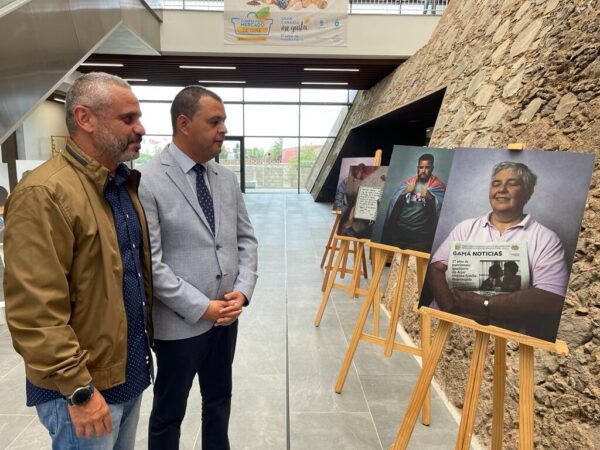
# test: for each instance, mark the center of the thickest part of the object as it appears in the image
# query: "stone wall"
(269, 175)
(517, 71)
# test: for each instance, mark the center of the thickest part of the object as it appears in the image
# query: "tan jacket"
(63, 280)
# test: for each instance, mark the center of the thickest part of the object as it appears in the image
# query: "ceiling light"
(328, 83)
(325, 69)
(134, 80)
(209, 67)
(221, 81)
(58, 99)
(101, 64)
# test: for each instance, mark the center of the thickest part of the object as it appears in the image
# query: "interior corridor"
(285, 368)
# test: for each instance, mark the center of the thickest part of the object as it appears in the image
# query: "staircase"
(43, 41)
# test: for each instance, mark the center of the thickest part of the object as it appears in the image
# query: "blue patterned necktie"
(204, 197)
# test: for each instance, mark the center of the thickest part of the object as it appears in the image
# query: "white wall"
(369, 36)
(46, 120)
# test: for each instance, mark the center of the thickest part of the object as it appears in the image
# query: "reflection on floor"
(285, 368)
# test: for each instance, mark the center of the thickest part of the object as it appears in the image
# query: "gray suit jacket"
(190, 266)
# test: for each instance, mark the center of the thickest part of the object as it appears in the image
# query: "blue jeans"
(54, 415)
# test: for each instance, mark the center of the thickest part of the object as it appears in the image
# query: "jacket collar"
(90, 167)
(168, 158)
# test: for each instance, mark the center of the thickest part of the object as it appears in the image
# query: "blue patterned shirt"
(139, 361)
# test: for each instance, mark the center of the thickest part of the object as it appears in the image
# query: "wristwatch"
(81, 395)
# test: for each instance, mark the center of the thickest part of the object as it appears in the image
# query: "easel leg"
(329, 265)
(421, 268)
(345, 261)
(327, 293)
(396, 302)
(364, 313)
(420, 392)
(359, 249)
(499, 391)
(364, 264)
(376, 312)
(330, 242)
(525, 397)
(467, 419)
(425, 341)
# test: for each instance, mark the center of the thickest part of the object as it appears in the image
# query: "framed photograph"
(340, 200)
(412, 197)
(364, 186)
(506, 237)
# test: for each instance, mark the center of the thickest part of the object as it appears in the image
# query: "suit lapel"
(177, 176)
(215, 191)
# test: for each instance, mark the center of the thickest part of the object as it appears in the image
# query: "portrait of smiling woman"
(497, 196)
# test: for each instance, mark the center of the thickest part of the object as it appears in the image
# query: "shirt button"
(127, 216)
(139, 275)
(218, 247)
(133, 245)
(218, 277)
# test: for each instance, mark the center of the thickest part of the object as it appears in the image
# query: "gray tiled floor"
(283, 363)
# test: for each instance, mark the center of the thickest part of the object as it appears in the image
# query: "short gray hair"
(528, 178)
(91, 90)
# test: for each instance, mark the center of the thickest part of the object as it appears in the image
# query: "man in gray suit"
(204, 262)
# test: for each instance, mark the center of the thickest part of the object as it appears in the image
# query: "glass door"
(232, 157)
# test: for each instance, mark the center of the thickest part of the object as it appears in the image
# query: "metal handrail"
(404, 7)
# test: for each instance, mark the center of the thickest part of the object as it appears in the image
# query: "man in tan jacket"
(78, 276)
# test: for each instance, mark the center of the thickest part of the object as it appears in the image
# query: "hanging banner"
(286, 22)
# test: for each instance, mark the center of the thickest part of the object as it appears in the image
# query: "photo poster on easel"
(412, 197)
(506, 237)
(363, 193)
(340, 202)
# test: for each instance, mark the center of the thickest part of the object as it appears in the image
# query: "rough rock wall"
(518, 71)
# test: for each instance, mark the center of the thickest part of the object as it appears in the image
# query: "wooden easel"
(334, 244)
(465, 432)
(335, 247)
(380, 253)
(527, 344)
(353, 288)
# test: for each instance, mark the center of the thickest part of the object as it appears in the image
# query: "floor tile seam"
(390, 374)
(347, 413)
(21, 433)
(10, 371)
(17, 415)
(358, 377)
(288, 420)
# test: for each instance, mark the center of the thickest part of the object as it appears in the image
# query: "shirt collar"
(485, 221)
(122, 173)
(183, 161)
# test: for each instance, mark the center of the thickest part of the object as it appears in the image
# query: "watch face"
(81, 395)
